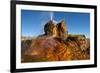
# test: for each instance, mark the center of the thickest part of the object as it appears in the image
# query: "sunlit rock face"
(48, 48)
(50, 29)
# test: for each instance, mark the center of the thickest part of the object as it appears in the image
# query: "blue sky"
(32, 22)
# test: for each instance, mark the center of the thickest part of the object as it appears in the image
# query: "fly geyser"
(55, 45)
(56, 30)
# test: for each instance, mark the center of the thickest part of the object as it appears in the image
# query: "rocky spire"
(50, 28)
(62, 30)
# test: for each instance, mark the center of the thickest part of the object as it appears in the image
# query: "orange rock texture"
(55, 45)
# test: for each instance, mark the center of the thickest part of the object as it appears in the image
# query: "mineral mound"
(55, 45)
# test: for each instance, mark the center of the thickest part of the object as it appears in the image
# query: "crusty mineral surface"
(55, 45)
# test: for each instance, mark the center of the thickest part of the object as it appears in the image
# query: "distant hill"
(27, 38)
